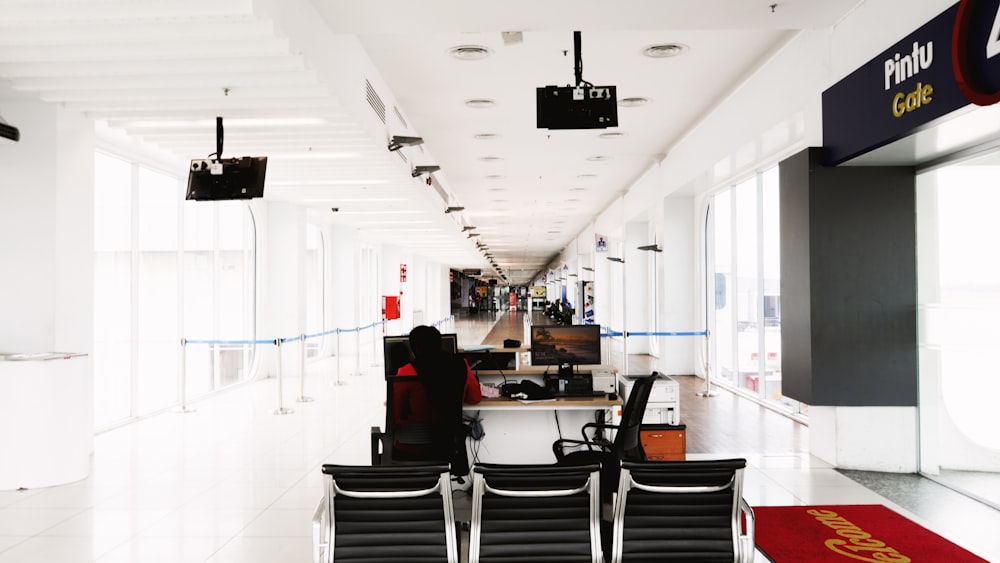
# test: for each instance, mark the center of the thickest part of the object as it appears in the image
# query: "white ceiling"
(288, 78)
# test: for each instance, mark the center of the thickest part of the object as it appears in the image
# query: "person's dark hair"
(425, 341)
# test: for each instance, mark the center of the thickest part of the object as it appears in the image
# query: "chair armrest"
(559, 446)
(595, 426)
(747, 538)
(381, 446)
(320, 531)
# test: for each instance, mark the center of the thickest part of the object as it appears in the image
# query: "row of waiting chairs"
(664, 511)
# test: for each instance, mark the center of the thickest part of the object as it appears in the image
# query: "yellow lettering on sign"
(903, 103)
(859, 545)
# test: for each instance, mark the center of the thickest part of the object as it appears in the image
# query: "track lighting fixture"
(397, 142)
(421, 170)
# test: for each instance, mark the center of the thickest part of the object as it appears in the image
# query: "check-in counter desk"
(46, 419)
(523, 431)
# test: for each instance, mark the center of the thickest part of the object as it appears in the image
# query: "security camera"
(397, 142)
(420, 170)
(335, 209)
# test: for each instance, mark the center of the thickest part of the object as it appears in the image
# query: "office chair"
(690, 511)
(609, 454)
(537, 513)
(386, 513)
(418, 443)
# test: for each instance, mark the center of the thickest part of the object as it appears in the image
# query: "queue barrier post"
(182, 380)
(281, 402)
(302, 372)
(339, 356)
(707, 392)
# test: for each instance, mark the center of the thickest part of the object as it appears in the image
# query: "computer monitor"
(397, 353)
(225, 179)
(565, 345)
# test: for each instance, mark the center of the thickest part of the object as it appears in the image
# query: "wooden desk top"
(541, 370)
(560, 403)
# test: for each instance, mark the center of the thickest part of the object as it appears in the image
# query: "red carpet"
(848, 533)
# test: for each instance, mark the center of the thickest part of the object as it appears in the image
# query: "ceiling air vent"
(470, 52)
(375, 101)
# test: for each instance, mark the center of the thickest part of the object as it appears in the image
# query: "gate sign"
(402, 272)
(942, 66)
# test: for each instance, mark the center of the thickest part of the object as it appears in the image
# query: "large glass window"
(164, 271)
(744, 270)
(112, 360)
(958, 285)
(315, 289)
(219, 282)
(157, 321)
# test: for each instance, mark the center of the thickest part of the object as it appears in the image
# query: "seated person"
(443, 383)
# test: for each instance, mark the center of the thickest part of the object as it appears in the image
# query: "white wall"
(680, 308)
(46, 231)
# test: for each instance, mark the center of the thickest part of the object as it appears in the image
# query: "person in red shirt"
(443, 383)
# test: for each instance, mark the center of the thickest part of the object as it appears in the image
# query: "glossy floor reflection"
(233, 481)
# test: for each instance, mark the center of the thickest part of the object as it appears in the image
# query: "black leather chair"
(690, 511)
(386, 513)
(536, 513)
(595, 448)
(420, 443)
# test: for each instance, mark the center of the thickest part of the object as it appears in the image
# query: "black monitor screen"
(240, 178)
(397, 352)
(556, 345)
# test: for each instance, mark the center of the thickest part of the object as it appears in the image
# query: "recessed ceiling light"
(633, 102)
(578, 189)
(487, 136)
(496, 189)
(598, 158)
(495, 177)
(612, 135)
(586, 176)
(665, 50)
(480, 103)
(470, 52)
(490, 158)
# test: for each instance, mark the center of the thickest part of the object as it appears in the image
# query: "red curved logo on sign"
(976, 50)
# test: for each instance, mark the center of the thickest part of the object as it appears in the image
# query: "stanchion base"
(186, 409)
(706, 393)
(283, 410)
(304, 399)
(338, 382)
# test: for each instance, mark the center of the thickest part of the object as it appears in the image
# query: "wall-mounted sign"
(402, 272)
(950, 61)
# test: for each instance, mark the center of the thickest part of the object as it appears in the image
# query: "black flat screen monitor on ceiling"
(576, 107)
(565, 345)
(229, 178)
(397, 353)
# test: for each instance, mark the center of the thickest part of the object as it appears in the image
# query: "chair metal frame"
(741, 512)
(324, 525)
(480, 487)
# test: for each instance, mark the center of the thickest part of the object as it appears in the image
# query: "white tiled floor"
(233, 482)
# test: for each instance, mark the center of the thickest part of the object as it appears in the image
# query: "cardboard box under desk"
(664, 442)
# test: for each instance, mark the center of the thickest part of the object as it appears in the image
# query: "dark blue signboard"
(900, 91)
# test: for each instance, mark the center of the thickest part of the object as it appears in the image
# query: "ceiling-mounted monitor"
(227, 178)
(576, 107)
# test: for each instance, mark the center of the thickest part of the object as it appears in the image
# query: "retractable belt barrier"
(278, 342)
